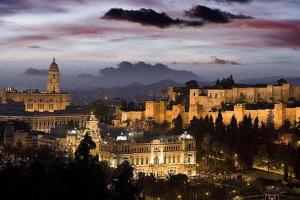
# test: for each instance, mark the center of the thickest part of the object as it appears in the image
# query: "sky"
(213, 38)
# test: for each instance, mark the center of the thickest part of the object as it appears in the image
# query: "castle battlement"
(207, 101)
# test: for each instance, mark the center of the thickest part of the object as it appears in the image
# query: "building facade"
(45, 121)
(160, 156)
(212, 97)
(49, 101)
(207, 102)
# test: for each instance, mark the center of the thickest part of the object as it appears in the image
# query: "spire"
(53, 61)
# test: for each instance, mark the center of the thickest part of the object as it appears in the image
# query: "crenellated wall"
(158, 111)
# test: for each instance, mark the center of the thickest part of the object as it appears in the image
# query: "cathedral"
(34, 101)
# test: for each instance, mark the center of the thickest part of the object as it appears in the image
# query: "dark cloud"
(147, 17)
(213, 15)
(36, 72)
(232, 1)
(219, 61)
(33, 46)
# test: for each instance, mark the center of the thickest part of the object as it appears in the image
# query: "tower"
(92, 123)
(53, 85)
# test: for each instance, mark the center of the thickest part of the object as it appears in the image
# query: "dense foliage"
(46, 173)
(242, 145)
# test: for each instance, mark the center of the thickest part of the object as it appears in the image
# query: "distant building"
(213, 96)
(47, 120)
(60, 136)
(158, 155)
(42, 110)
(152, 154)
(208, 100)
(49, 101)
(14, 137)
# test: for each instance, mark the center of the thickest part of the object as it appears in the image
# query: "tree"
(296, 164)
(270, 120)
(195, 128)
(124, 105)
(101, 110)
(220, 127)
(218, 83)
(178, 125)
(282, 81)
(206, 146)
(246, 143)
(83, 153)
(226, 82)
(124, 187)
(270, 127)
(286, 126)
(256, 126)
(192, 84)
(232, 134)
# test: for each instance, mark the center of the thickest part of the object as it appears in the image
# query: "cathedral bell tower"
(53, 85)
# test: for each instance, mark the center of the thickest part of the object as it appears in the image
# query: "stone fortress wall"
(202, 102)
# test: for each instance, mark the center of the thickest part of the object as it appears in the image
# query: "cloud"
(213, 60)
(263, 33)
(213, 15)
(36, 72)
(147, 17)
(218, 61)
(16, 6)
(33, 46)
(234, 1)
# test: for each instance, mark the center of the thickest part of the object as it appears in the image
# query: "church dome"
(53, 67)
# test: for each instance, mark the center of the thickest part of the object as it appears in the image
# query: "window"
(174, 159)
(29, 106)
(178, 159)
(41, 106)
(147, 161)
(51, 106)
(142, 161)
(156, 160)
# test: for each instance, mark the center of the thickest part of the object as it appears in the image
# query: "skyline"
(258, 36)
